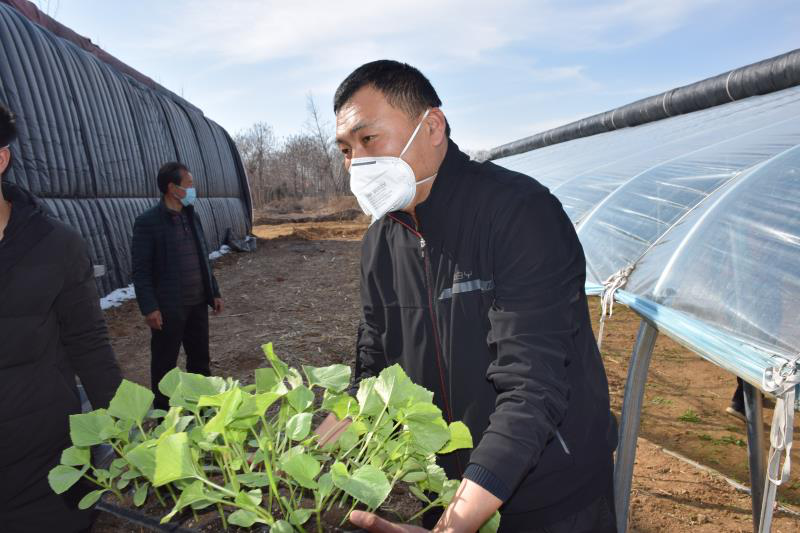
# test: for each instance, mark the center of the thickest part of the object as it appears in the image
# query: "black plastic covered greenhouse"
(93, 133)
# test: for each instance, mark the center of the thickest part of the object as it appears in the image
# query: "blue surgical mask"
(191, 196)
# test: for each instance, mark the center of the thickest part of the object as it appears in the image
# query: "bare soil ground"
(299, 290)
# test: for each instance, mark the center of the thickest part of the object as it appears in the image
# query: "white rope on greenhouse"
(781, 380)
(610, 286)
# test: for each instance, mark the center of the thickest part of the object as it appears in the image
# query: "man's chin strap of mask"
(781, 380)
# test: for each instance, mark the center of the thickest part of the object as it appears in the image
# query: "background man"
(173, 279)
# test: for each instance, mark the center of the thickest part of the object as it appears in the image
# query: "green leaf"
(170, 382)
(415, 477)
(436, 478)
(251, 408)
(491, 525)
(299, 426)
(143, 457)
(62, 477)
(87, 429)
(300, 466)
(192, 386)
(74, 456)
(131, 402)
(367, 484)
(335, 378)
(299, 517)
(230, 403)
(253, 479)
(324, 487)
(449, 489)
(173, 460)
(294, 378)
(342, 405)
(420, 495)
(397, 390)
(192, 493)
(141, 494)
(281, 368)
(90, 499)
(300, 398)
(242, 518)
(281, 526)
(250, 498)
(369, 401)
(428, 429)
(460, 438)
(266, 379)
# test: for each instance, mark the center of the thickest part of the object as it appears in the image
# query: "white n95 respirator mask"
(385, 184)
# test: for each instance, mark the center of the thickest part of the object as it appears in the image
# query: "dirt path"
(300, 291)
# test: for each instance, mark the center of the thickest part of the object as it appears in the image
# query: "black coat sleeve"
(370, 354)
(83, 331)
(142, 253)
(538, 267)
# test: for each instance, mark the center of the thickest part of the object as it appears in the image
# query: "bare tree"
(322, 132)
(257, 146)
(303, 164)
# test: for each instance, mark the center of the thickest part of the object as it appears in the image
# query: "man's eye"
(345, 151)
(367, 139)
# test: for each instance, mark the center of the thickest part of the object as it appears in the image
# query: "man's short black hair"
(403, 86)
(8, 126)
(170, 173)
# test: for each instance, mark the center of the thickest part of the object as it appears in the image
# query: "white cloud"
(338, 35)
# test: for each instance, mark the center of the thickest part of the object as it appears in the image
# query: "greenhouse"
(693, 221)
(93, 133)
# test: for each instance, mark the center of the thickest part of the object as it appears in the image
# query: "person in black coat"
(472, 280)
(51, 328)
(173, 279)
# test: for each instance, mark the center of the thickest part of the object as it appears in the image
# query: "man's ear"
(437, 124)
(5, 159)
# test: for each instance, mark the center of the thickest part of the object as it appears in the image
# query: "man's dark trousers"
(188, 326)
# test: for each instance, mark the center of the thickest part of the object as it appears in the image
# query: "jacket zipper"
(436, 341)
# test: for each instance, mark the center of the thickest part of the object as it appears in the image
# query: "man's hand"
(376, 524)
(154, 320)
(471, 507)
(218, 306)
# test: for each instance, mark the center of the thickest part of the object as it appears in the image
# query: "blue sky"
(503, 69)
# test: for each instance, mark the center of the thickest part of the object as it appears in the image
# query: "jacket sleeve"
(538, 267)
(370, 355)
(142, 253)
(83, 332)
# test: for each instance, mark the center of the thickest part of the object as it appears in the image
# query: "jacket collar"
(433, 212)
(167, 213)
(28, 225)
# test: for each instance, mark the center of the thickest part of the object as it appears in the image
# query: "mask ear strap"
(415, 132)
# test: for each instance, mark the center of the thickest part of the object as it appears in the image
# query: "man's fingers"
(373, 523)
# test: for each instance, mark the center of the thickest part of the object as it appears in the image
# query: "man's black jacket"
(156, 265)
(51, 328)
(483, 303)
